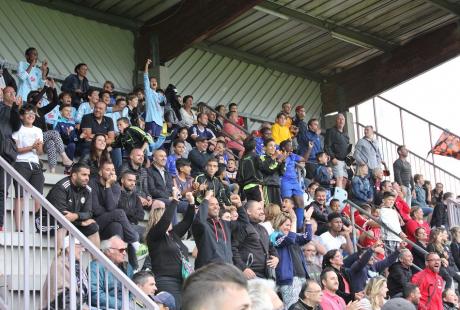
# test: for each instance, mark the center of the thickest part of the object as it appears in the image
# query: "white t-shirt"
(330, 242)
(24, 137)
(390, 217)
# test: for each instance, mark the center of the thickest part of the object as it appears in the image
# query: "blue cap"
(166, 299)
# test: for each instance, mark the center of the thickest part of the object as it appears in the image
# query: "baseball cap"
(398, 303)
(67, 242)
(166, 299)
(298, 108)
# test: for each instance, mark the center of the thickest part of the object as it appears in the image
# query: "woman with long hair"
(291, 271)
(375, 292)
(271, 211)
(438, 244)
(98, 154)
(168, 254)
(455, 245)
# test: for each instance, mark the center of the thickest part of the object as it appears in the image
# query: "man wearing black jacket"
(199, 156)
(72, 197)
(160, 182)
(400, 273)
(112, 221)
(252, 251)
(130, 202)
(135, 164)
(212, 235)
(9, 123)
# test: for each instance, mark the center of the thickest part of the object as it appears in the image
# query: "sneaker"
(142, 251)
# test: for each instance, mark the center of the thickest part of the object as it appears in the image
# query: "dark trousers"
(172, 286)
(4, 185)
(70, 150)
(114, 223)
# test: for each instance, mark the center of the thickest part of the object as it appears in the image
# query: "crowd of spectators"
(269, 202)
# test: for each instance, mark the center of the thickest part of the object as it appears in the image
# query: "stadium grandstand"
(213, 154)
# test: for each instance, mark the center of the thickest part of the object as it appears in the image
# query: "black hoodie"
(214, 237)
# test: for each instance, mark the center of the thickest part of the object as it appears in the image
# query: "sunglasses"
(122, 250)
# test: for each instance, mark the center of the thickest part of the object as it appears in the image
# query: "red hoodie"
(431, 285)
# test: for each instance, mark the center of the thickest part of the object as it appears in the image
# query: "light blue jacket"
(28, 81)
(98, 289)
(362, 189)
(154, 111)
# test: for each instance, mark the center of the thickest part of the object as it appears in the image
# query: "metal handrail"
(417, 116)
(88, 245)
(227, 119)
(382, 224)
(417, 156)
(372, 237)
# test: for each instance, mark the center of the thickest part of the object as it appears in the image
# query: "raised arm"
(159, 230)
(183, 226)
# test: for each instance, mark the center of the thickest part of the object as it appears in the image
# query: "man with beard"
(213, 236)
(430, 283)
(252, 251)
(72, 197)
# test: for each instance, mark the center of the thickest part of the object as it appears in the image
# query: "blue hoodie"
(284, 244)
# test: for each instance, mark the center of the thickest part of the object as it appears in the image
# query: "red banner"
(447, 145)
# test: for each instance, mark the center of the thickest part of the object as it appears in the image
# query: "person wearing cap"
(58, 280)
(199, 156)
(338, 235)
(400, 304)
(430, 283)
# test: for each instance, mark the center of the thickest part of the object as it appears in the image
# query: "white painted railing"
(27, 258)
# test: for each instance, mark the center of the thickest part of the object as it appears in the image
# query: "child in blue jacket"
(65, 125)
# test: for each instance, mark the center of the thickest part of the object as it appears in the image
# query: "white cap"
(67, 242)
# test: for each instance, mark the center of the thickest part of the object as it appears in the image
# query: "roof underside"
(292, 40)
(312, 38)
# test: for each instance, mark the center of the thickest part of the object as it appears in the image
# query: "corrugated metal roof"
(294, 42)
(66, 40)
(259, 91)
(140, 10)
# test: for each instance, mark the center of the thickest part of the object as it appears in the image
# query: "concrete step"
(16, 239)
(16, 282)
